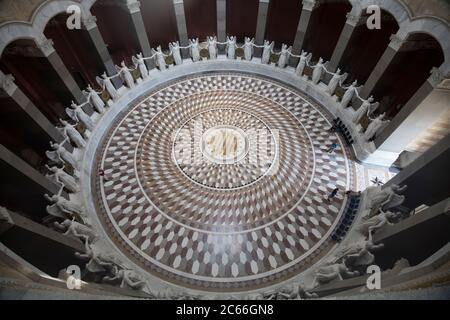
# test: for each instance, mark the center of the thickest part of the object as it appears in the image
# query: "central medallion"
(224, 144)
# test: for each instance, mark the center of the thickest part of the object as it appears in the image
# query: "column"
(96, 38)
(382, 65)
(24, 168)
(426, 177)
(178, 6)
(422, 110)
(46, 46)
(11, 89)
(352, 22)
(221, 20)
(138, 23)
(261, 24)
(308, 7)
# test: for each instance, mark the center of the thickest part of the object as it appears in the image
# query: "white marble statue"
(387, 197)
(106, 83)
(375, 127)
(333, 271)
(267, 51)
(76, 229)
(59, 176)
(61, 155)
(304, 60)
(369, 225)
(349, 93)
(125, 74)
(71, 133)
(359, 254)
(62, 206)
(212, 47)
(248, 48)
(94, 99)
(77, 114)
(319, 69)
(160, 59)
(284, 56)
(139, 63)
(335, 81)
(231, 47)
(97, 262)
(128, 279)
(176, 52)
(195, 50)
(366, 108)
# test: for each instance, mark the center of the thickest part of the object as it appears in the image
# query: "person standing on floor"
(332, 194)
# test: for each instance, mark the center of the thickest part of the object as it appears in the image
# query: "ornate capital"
(438, 80)
(7, 83)
(353, 20)
(134, 6)
(309, 4)
(45, 45)
(4, 216)
(90, 22)
(396, 42)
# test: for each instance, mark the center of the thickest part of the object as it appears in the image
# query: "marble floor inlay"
(220, 182)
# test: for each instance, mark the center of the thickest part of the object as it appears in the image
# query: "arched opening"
(75, 49)
(409, 69)
(366, 47)
(242, 18)
(282, 21)
(201, 18)
(116, 27)
(160, 22)
(35, 76)
(325, 26)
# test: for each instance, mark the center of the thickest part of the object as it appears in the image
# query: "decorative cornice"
(309, 4)
(353, 20)
(396, 42)
(45, 45)
(134, 7)
(8, 85)
(90, 22)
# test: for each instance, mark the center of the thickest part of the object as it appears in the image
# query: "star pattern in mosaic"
(213, 226)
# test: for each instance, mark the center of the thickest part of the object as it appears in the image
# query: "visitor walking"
(332, 147)
(333, 194)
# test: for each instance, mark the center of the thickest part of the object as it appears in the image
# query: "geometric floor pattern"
(229, 226)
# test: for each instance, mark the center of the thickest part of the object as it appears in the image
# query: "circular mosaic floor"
(219, 182)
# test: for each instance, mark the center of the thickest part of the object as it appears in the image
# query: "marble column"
(14, 92)
(46, 47)
(307, 9)
(178, 6)
(24, 168)
(139, 27)
(382, 65)
(261, 25)
(221, 20)
(422, 110)
(97, 39)
(352, 22)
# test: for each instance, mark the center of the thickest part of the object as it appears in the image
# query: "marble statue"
(335, 81)
(176, 52)
(128, 279)
(375, 127)
(248, 48)
(97, 262)
(368, 226)
(62, 206)
(366, 108)
(304, 60)
(77, 114)
(212, 47)
(106, 83)
(319, 69)
(359, 254)
(160, 59)
(284, 56)
(349, 93)
(139, 63)
(59, 176)
(76, 229)
(125, 74)
(387, 198)
(231, 47)
(333, 271)
(195, 50)
(94, 99)
(61, 155)
(71, 133)
(293, 291)
(267, 51)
